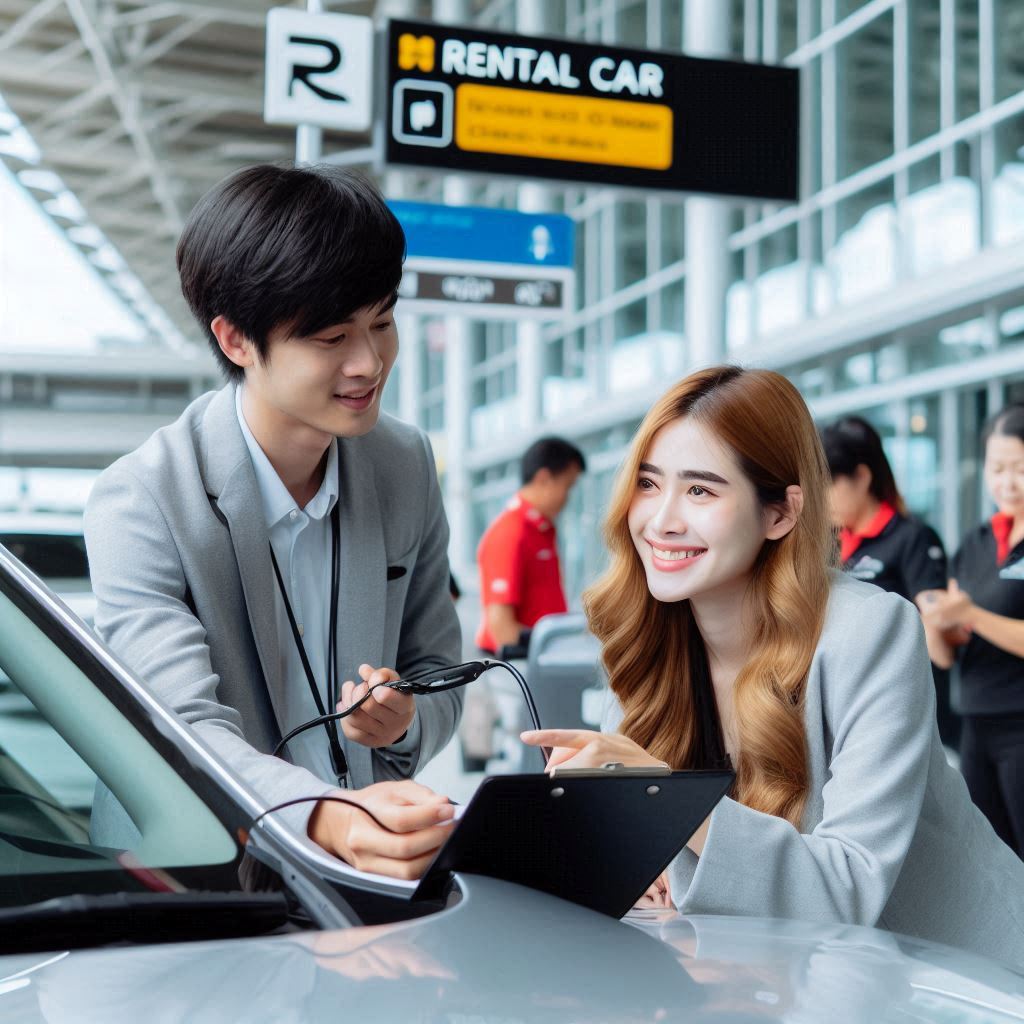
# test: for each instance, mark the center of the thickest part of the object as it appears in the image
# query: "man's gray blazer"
(890, 837)
(180, 560)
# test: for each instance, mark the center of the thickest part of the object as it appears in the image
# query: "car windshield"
(50, 555)
(88, 804)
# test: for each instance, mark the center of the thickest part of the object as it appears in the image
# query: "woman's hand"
(384, 717)
(583, 748)
(949, 612)
(958, 608)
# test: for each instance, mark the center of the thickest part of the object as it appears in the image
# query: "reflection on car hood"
(505, 954)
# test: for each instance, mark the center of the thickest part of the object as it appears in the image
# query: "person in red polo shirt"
(878, 541)
(520, 575)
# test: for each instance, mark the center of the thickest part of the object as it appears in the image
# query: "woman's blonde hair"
(652, 650)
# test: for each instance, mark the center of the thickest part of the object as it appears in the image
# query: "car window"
(62, 742)
(50, 555)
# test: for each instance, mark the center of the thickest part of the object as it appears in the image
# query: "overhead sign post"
(319, 70)
(498, 264)
(471, 101)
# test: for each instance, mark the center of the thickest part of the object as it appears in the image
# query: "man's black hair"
(554, 454)
(300, 248)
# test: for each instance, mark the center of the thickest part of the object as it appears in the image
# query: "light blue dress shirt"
(301, 539)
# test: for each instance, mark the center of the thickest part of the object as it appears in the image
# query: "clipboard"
(597, 840)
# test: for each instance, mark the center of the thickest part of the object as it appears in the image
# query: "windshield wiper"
(79, 921)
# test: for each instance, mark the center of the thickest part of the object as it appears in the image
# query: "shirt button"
(294, 514)
(302, 631)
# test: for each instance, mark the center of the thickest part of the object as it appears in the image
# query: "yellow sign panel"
(617, 133)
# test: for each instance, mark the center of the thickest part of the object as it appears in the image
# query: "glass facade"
(892, 288)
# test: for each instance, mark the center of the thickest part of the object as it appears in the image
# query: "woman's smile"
(674, 559)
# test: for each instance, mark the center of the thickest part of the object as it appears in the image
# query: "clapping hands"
(949, 612)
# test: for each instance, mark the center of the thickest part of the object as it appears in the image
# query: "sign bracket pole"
(309, 137)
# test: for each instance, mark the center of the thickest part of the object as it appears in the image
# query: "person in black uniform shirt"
(980, 618)
(879, 542)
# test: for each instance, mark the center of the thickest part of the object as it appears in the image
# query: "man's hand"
(582, 748)
(385, 717)
(419, 816)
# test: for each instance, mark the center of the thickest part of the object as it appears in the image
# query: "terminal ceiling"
(139, 106)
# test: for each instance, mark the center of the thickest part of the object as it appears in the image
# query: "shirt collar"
(879, 522)
(1002, 527)
(274, 496)
(531, 515)
(850, 541)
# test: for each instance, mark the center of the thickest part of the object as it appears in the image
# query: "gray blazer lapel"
(363, 583)
(232, 489)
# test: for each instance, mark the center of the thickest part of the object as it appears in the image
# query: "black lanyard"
(338, 761)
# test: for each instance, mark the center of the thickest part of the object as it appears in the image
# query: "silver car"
(209, 918)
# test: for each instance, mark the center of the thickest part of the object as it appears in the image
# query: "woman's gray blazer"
(889, 836)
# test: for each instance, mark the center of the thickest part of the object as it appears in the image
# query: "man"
(283, 535)
(520, 575)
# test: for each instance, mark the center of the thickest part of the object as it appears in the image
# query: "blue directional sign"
(492, 236)
(486, 263)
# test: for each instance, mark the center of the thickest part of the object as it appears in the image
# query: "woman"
(982, 614)
(879, 542)
(726, 633)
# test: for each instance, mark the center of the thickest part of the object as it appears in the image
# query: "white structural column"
(706, 34)
(529, 340)
(458, 388)
(458, 385)
(532, 198)
(410, 361)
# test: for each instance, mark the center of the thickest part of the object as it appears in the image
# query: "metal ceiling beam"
(76, 105)
(126, 100)
(23, 26)
(77, 80)
(169, 41)
(23, 69)
(71, 50)
(185, 8)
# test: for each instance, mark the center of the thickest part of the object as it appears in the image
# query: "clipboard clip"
(614, 769)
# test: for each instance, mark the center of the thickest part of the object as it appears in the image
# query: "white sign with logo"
(319, 69)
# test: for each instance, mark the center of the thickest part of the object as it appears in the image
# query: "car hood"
(505, 954)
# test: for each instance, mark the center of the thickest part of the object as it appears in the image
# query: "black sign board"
(484, 102)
